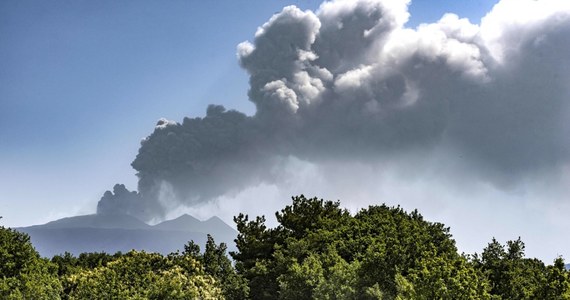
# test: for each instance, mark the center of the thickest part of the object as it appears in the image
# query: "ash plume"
(350, 82)
(123, 201)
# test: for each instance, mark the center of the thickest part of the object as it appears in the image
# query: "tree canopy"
(321, 251)
(23, 274)
(318, 250)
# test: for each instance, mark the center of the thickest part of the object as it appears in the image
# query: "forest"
(318, 251)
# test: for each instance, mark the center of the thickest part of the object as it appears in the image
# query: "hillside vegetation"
(318, 251)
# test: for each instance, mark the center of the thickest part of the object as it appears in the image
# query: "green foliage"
(438, 277)
(140, 275)
(68, 265)
(192, 249)
(253, 260)
(320, 276)
(23, 274)
(320, 251)
(511, 276)
(217, 264)
(557, 281)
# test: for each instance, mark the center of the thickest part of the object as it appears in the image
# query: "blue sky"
(82, 82)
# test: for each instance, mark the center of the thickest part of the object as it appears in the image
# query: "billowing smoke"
(351, 83)
(123, 201)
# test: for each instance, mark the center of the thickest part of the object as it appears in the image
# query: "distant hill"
(214, 226)
(112, 233)
(181, 223)
(96, 221)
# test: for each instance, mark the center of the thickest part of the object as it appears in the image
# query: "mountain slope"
(112, 233)
(183, 223)
(218, 228)
(213, 226)
(97, 221)
(52, 241)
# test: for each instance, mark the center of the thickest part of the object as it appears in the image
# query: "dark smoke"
(202, 157)
(350, 82)
(123, 201)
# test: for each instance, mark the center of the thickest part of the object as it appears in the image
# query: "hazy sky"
(82, 82)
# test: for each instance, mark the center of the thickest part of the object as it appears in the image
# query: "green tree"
(320, 251)
(23, 273)
(557, 285)
(320, 276)
(217, 264)
(510, 275)
(255, 243)
(440, 277)
(192, 249)
(140, 275)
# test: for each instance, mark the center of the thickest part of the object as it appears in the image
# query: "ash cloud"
(123, 201)
(203, 157)
(350, 82)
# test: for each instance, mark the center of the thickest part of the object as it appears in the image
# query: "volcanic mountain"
(119, 232)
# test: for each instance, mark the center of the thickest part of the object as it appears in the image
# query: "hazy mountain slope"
(111, 233)
(213, 226)
(52, 241)
(184, 222)
(218, 228)
(97, 221)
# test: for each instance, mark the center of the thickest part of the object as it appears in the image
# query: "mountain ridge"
(179, 222)
(109, 221)
(119, 232)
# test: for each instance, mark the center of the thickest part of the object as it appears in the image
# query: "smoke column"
(351, 83)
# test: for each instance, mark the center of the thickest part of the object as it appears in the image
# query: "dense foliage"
(318, 251)
(321, 251)
(133, 275)
(23, 274)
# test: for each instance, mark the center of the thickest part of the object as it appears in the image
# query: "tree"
(255, 245)
(23, 274)
(141, 275)
(320, 276)
(557, 285)
(217, 264)
(512, 276)
(320, 251)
